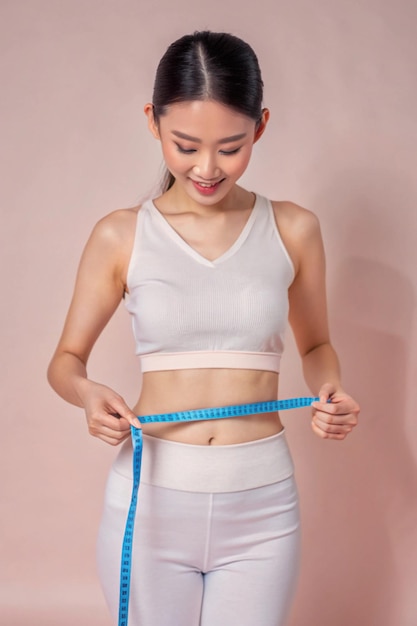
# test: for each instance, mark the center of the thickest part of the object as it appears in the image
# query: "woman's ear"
(261, 125)
(152, 125)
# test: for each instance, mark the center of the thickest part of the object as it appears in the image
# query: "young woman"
(210, 273)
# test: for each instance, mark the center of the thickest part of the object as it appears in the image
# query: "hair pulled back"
(209, 66)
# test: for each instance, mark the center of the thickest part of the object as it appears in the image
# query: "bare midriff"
(182, 390)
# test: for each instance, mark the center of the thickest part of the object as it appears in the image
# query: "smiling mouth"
(207, 185)
(206, 188)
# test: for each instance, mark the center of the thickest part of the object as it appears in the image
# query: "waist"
(183, 390)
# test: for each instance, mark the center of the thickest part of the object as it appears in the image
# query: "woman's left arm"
(309, 322)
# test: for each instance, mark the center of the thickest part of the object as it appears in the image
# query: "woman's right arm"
(99, 287)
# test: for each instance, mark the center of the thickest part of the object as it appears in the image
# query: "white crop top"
(189, 312)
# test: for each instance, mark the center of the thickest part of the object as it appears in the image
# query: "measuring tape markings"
(137, 440)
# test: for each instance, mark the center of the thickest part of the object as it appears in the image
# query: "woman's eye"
(192, 150)
(229, 152)
(183, 150)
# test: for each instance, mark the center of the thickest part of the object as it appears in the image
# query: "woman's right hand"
(108, 416)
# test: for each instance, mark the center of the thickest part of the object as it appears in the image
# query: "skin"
(196, 143)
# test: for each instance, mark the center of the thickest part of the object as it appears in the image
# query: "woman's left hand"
(337, 418)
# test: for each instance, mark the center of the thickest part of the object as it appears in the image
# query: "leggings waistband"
(212, 469)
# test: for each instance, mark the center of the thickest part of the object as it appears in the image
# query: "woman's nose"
(206, 167)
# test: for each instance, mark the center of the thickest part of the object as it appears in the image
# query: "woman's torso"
(184, 389)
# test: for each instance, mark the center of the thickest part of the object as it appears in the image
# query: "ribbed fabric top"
(189, 312)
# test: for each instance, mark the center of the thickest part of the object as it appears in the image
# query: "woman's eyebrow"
(181, 135)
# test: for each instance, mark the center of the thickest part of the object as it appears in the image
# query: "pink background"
(341, 85)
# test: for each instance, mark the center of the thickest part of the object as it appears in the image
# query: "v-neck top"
(191, 312)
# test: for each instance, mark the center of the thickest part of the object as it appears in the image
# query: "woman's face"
(206, 146)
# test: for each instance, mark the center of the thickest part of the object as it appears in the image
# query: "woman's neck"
(175, 200)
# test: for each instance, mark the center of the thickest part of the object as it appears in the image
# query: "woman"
(210, 273)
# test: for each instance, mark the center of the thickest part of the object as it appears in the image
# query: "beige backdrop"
(341, 85)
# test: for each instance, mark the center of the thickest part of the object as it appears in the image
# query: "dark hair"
(208, 66)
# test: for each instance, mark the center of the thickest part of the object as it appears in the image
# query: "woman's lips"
(206, 189)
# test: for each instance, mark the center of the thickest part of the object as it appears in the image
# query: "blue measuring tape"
(137, 440)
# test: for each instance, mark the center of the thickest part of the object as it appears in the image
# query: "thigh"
(255, 560)
(166, 583)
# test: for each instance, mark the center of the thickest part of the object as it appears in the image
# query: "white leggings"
(224, 553)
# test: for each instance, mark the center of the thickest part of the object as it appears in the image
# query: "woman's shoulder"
(118, 221)
(299, 229)
(116, 227)
(112, 239)
(295, 220)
